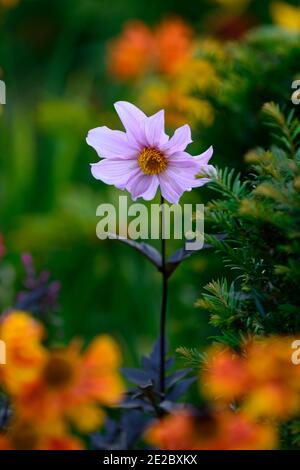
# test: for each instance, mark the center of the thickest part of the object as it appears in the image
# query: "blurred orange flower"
(71, 385)
(138, 50)
(130, 54)
(25, 435)
(174, 432)
(262, 378)
(275, 380)
(61, 384)
(9, 3)
(174, 44)
(225, 375)
(219, 431)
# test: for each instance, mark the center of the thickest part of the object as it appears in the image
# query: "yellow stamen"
(152, 161)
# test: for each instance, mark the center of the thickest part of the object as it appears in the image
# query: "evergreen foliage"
(260, 216)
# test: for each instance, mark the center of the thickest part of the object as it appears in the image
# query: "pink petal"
(179, 141)
(172, 188)
(184, 168)
(187, 179)
(200, 182)
(155, 129)
(180, 176)
(141, 185)
(114, 171)
(183, 160)
(204, 158)
(111, 144)
(202, 161)
(132, 119)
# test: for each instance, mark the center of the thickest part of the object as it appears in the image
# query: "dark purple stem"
(163, 314)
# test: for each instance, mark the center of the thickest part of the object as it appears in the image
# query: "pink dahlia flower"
(144, 157)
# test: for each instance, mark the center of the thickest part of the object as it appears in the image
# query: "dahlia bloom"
(130, 55)
(222, 430)
(263, 379)
(138, 50)
(174, 45)
(71, 386)
(144, 157)
(58, 386)
(26, 435)
(225, 375)
(25, 354)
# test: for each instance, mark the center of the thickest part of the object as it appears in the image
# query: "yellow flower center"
(152, 161)
(58, 372)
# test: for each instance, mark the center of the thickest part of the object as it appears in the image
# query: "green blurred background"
(53, 59)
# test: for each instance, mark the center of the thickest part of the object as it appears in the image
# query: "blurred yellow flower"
(285, 15)
(271, 400)
(183, 95)
(25, 354)
(59, 385)
(199, 75)
(180, 107)
(9, 3)
(233, 4)
(210, 47)
(25, 435)
(72, 384)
